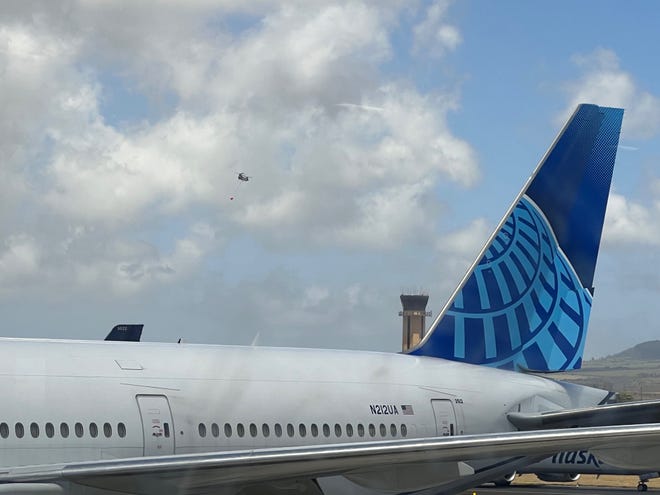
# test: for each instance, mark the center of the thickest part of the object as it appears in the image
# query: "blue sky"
(385, 141)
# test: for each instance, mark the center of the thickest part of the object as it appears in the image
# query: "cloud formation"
(604, 82)
(124, 127)
(434, 35)
(630, 223)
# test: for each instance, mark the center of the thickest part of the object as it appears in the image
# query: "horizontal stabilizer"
(625, 413)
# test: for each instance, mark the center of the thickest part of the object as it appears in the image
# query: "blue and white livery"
(525, 303)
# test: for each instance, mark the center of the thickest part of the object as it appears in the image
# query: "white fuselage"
(120, 400)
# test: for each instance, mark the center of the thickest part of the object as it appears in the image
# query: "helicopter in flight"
(242, 177)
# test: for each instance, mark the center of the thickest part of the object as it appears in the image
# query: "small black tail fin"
(125, 333)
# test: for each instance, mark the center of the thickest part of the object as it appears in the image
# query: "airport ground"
(553, 490)
(529, 484)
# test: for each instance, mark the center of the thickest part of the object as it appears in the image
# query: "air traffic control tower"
(414, 319)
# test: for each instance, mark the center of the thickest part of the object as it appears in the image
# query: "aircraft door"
(157, 425)
(445, 417)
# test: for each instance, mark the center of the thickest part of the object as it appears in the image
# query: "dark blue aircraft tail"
(525, 302)
(125, 333)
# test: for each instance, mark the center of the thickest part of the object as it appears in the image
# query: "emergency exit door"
(445, 417)
(157, 427)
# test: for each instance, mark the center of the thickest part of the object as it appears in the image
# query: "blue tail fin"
(525, 302)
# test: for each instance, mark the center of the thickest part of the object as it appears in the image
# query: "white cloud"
(88, 261)
(40, 90)
(118, 177)
(466, 240)
(605, 83)
(364, 178)
(315, 296)
(340, 154)
(130, 268)
(292, 52)
(655, 187)
(630, 223)
(433, 35)
(19, 260)
(455, 252)
(289, 312)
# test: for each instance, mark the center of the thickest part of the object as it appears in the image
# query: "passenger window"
(166, 429)
(326, 430)
(240, 430)
(383, 430)
(227, 430)
(202, 430)
(107, 430)
(64, 430)
(372, 430)
(121, 430)
(215, 430)
(404, 431)
(34, 430)
(337, 430)
(265, 429)
(315, 430)
(253, 430)
(302, 430)
(393, 430)
(278, 430)
(349, 430)
(50, 430)
(4, 430)
(360, 430)
(290, 430)
(19, 430)
(93, 430)
(79, 430)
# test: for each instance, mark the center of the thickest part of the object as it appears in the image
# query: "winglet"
(525, 301)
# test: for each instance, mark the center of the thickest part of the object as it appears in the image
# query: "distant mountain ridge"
(646, 351)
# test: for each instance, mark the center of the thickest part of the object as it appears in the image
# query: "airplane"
(568, 466)
(561, 467)
(101, 417)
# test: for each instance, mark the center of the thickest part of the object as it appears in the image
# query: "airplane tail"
(525, 302)
(125, 333)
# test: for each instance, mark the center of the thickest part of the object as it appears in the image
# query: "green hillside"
(633, 373)
(646, 351)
